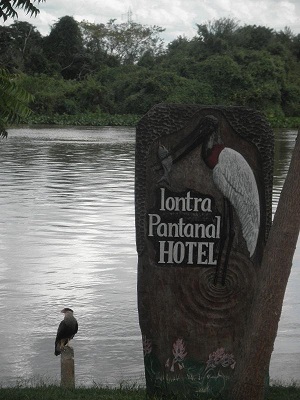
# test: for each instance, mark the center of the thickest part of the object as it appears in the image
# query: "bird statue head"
(206, 133)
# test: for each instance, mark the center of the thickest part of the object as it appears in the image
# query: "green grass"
(56, 393)
(125, 392)
(284, 393)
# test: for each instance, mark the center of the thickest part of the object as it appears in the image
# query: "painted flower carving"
(147, 346)
(220, 358)
(179, 355)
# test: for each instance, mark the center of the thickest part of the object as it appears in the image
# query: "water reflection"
(67, 238)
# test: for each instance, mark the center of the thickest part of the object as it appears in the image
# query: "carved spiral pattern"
(219, 303)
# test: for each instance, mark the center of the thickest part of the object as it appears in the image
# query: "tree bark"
(253, 365)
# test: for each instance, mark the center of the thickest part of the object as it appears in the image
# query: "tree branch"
(253, 365)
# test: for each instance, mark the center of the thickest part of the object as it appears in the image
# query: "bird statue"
(66, 331)
(233, 176)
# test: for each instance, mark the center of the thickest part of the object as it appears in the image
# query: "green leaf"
(13, 101)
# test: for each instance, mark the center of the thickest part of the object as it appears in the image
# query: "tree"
(93, 42)
(217, 36)
(252, 367)
(128, 42)
(13, 101)
(223, 27)
(290, 95)
(296, 46)
(254, 37)
(64, 46)
(21, 48)
(181, 57)
(264, 76)
(224, 75)
(5, 47)
(8, 8)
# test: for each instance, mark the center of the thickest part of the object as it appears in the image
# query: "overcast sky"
(178, 17)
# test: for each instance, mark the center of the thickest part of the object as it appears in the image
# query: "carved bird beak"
(206, 126)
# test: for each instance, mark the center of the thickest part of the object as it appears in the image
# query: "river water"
(67, 238)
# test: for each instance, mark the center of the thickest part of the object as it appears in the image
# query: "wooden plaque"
(203, 212)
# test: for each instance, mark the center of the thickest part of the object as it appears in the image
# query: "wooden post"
(67, 368)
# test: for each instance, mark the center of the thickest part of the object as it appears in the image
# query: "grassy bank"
(92, 119)
(281, 122)
(57, 393)
(102, 119)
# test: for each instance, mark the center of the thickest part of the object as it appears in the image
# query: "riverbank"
(90, 119)
(130, 393)
(103, 119)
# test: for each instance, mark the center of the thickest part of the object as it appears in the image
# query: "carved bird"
(233, 176)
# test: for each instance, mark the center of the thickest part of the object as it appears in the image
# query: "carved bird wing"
(235, 179)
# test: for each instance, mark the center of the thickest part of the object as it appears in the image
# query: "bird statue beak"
(206, 126)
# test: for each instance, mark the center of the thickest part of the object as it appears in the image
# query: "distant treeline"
(87, 68)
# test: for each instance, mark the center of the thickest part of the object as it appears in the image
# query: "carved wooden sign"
(203, 212)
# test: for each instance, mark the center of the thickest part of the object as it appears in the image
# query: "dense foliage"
(125, 68)
(13, 102)
(13, 98)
